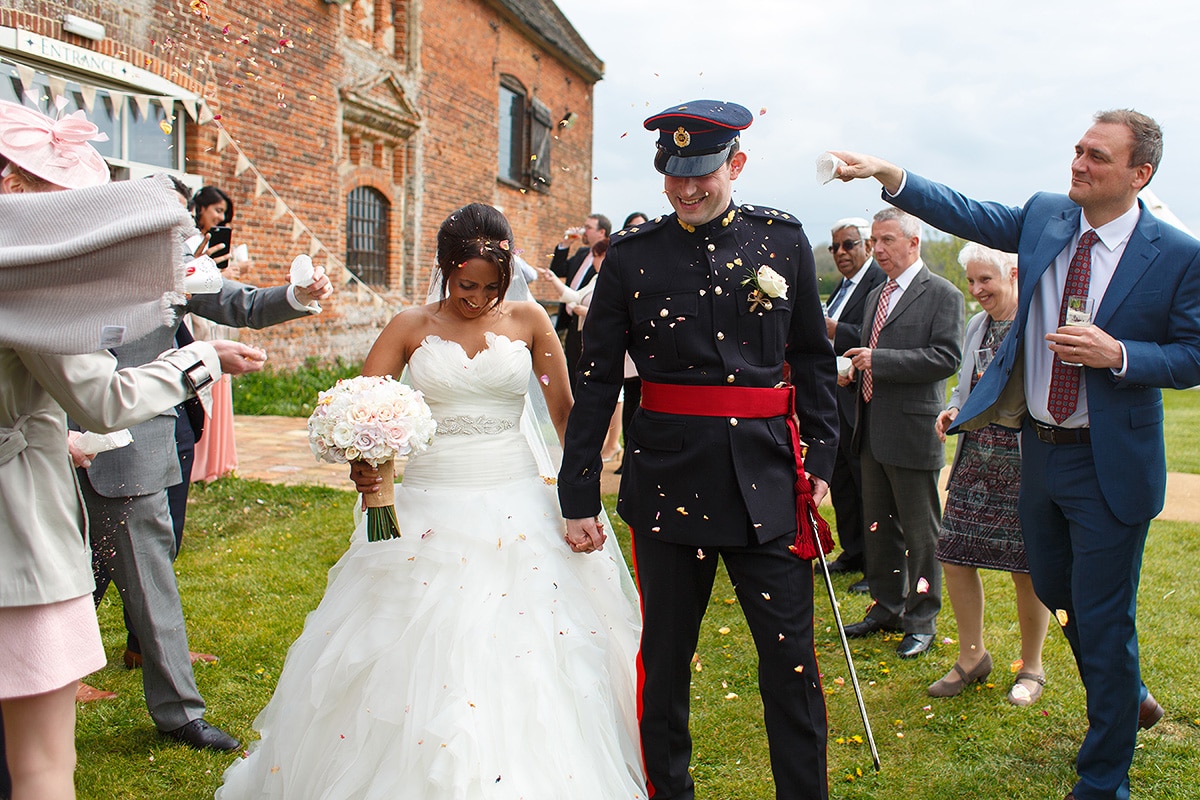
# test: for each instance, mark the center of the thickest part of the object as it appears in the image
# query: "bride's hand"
(366, 478)
(585, 535)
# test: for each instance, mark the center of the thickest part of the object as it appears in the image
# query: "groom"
(713, 303)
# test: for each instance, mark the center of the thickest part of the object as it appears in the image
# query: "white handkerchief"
(93, 443)
(202, 276)
(827, 167)
(302, 272)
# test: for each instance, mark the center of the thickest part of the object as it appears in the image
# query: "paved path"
(275, 449)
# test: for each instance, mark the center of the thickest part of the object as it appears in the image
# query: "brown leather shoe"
(89, 694)
(134, 660)
(1149, 713)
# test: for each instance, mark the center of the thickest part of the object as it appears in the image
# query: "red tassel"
(805, 545)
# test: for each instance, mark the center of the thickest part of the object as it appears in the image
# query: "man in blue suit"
(1093, 463)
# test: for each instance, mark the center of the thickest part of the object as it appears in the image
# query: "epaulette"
(639, 230)
(772, 214)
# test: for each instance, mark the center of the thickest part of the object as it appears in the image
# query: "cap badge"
(682, 137)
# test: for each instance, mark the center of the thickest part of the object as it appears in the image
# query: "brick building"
(345, 130)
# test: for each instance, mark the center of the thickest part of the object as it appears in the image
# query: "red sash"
(750, 402)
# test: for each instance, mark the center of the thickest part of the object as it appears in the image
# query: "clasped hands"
(585, 535)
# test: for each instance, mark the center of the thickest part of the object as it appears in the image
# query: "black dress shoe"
(862, 587)
(842, 564)
(1149, 712)
(869, 625)
(913, 644)
(202, 736)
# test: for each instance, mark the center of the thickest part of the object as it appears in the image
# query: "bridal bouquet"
(371, 419)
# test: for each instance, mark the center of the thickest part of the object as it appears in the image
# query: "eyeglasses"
(846, 245)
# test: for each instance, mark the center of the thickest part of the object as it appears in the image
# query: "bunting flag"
(88, 93)
(58, 87)
(206, 114)
(314, 246)
(280, 208)
(167, 104)
(223, 140)
(25, 75)
(143, 105)
(297, 228)
(243, 163)
(189, 105)
(260, 185)
(118, 104)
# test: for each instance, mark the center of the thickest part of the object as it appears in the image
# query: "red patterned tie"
(881, 315)
(1064, 379)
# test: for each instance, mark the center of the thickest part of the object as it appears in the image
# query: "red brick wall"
(273, 71)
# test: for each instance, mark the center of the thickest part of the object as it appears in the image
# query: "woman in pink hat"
(49, 636)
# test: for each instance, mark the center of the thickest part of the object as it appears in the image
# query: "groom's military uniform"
(710, 469)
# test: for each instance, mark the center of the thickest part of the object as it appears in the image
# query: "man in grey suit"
(851, 248)
(126, 495)
(912, 339)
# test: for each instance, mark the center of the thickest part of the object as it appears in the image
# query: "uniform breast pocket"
(762, 333)
(658, 322)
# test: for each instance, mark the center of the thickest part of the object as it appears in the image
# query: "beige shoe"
(1021, 695)
(952, 686)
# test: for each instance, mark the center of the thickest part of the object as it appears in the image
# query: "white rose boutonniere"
(767, 284)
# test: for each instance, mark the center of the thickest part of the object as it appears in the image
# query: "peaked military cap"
(694, 138)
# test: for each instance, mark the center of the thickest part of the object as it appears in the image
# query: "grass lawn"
(254, 563)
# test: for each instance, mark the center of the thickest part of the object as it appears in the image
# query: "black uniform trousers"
(775, 591)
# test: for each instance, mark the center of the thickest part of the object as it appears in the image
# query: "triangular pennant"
(206, 114)
(118, 104)
(58, 87)
(25, 74)
(314, 246)
(168, 106)
(243, 163)
(143, 105)
(88, 93)
(223, 140)
(189, 105)
(280, 208)
(297, 228)
(260, 185)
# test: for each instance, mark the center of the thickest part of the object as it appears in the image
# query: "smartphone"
(220, 235)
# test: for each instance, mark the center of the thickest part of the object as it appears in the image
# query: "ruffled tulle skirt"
(474, 657)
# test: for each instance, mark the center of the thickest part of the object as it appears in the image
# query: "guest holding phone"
(216, 448)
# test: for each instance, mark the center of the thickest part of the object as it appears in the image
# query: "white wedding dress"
(474, 657)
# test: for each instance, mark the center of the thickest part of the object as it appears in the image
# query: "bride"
(479, 655)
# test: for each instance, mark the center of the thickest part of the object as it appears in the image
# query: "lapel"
(1139, 254)
(1055, 236)
(865, 284)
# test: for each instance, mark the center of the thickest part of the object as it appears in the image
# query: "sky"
(989, 98)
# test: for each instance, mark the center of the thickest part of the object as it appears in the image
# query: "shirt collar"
(1116, 231)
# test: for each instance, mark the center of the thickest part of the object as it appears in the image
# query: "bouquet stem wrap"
(381, 506)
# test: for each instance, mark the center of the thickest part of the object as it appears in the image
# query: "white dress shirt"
(1047, 300)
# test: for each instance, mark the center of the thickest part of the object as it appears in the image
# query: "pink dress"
(216, 452)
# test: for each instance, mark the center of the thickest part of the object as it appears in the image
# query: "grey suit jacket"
(150, 463)
(919, 348)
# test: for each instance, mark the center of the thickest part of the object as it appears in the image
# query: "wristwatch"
(198, 376)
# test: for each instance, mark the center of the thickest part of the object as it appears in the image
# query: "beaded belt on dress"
(467, 425)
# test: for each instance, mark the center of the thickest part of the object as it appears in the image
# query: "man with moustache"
(851, 249)
(711, 302)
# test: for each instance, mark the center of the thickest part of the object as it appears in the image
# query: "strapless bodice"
(477, 402)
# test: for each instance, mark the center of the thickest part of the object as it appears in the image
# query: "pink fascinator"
(54, 150)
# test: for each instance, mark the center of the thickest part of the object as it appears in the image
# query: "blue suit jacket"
(1152, 306)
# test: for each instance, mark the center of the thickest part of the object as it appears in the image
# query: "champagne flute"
(1081, 310)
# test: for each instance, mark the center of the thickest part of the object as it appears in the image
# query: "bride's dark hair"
(475, 231)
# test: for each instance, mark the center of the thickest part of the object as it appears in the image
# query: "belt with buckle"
(1052, 434)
